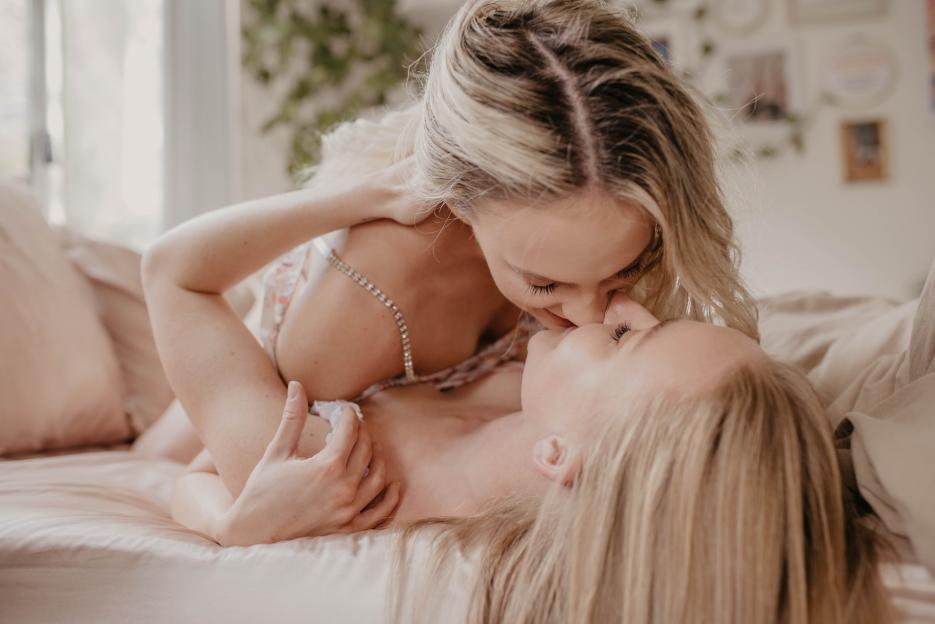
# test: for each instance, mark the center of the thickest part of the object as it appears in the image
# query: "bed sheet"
(89, 538)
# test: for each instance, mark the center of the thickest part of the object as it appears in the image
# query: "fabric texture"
(88, 538)
(873, 360)
(113, 272)
(60, 380)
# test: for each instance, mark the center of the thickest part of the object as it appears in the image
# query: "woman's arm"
(223, 378)
(215, 250)
(287, 496)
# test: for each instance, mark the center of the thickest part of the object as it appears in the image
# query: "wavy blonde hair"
(726, 507)
(532, 100)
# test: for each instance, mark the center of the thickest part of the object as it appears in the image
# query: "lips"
(558, 320)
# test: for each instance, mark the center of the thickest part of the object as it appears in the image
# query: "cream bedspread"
(88, 538)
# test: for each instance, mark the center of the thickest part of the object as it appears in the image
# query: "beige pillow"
(60, 382)
(113, 272)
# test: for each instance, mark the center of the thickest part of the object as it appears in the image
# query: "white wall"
(800, 225)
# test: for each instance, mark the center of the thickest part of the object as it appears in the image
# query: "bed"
(85, 529)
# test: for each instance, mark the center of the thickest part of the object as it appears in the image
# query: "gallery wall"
(801, 225)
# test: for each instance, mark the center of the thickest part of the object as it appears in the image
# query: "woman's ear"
(555, 460)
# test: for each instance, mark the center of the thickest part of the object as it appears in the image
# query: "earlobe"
(554, 460)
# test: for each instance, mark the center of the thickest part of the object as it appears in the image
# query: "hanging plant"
(350, 54)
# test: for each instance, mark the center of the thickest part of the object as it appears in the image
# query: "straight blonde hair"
(723, 508)
(538, 100)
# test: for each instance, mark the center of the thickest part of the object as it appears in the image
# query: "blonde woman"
(565, 162)
(690, 479)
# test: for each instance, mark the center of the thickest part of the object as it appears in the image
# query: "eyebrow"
(652, 331)
(537, 277)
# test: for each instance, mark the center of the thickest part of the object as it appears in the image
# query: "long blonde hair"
(727, 508)
(535, 100)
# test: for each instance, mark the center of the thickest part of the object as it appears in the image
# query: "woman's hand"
(287, 496)
(397, 201)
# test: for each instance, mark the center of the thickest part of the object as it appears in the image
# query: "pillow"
(113, 273)
(60, 382)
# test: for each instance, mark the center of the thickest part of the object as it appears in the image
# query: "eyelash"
(548, 289)
(619, 331)
(541, 290)
(628, 273)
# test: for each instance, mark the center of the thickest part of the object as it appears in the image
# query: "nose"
(585, 308)
(622, 309)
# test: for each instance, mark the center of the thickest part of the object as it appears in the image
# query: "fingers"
(342, 439)
(371, 485)
(294, 415)
(374, 516)
(361, 454)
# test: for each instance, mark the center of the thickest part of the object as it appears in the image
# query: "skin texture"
(563, 261)
(600, 372)
(472, 437)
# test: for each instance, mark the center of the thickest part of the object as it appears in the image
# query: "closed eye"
(619, 331)
(537, 289)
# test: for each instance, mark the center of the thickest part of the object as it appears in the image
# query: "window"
(14, 88)
(98, 70)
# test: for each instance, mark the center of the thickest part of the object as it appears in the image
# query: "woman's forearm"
(200, 501)
(214, 251)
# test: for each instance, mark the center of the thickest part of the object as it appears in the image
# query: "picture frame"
(740, 17)
(812, 11)
(670, 37)
(859, 72)
(762, 81)
(865, 150)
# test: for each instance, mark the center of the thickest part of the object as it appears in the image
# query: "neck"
(491, 461)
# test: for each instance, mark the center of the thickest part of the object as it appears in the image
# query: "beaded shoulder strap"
(367, 285)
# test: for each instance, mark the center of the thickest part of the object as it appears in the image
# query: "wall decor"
(859, 72)
(807, 11)
(864, 150)
(759, 85)
(741, 16)
(670, 38)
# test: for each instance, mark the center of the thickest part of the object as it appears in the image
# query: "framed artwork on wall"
(670, 37)
(760, 84)
(859, 72)
(864, 150)
(808, 11)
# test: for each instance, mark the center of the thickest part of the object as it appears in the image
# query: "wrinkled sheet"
(89, 538)
(874, 362)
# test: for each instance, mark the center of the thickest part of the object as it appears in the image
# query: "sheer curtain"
(14, 87)
(106, 103)
(123, 114)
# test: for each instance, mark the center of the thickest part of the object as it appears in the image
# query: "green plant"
(356, 52)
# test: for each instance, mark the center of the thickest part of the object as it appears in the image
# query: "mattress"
(88, 538)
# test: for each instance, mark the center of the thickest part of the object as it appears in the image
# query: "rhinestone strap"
(367, 285)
